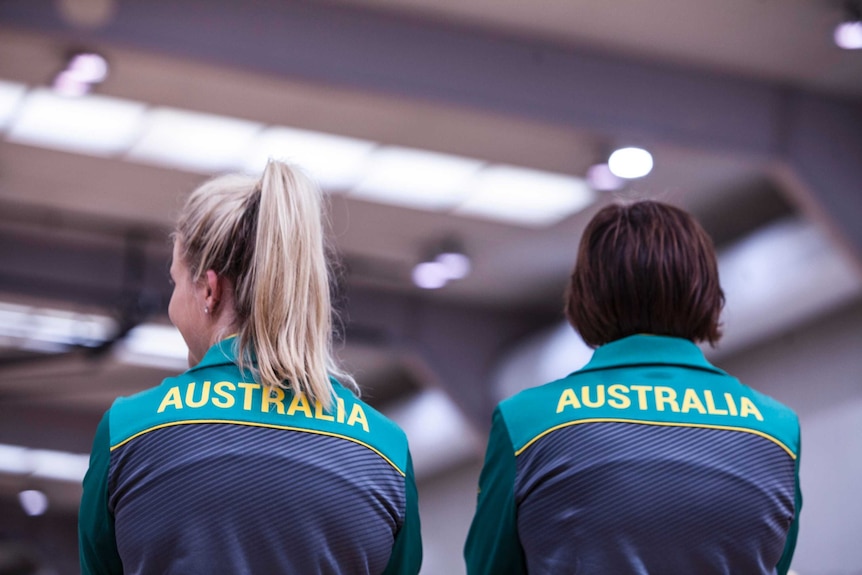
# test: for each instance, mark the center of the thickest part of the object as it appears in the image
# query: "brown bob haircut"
(645, 268)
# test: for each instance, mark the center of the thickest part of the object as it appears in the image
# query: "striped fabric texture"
(265, 498)
(614, 497)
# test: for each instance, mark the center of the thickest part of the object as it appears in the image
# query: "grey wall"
(817, 370)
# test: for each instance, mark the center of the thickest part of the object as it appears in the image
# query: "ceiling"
(717, 91)
(783, 41)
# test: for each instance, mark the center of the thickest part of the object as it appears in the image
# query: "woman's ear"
(212, 290)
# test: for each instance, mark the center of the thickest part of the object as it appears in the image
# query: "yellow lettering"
(249, 388)
(747, 406)
(339, 409)
(269, 398)
(221, 389)
(619, 400)
(319, 414)
(299, 403)
(731, 405)
(568, 397)
(641, 391)
(691, 401)
(190, 395)
(665, 395)
(172, 397)
(357, 415)
(710, 404)
(600, 396)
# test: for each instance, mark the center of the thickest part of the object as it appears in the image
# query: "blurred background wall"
(463, 146)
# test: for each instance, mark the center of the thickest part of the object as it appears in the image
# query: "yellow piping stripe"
(665, 424)
(267, 425)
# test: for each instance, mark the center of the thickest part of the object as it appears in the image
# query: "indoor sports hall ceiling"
(730, 97)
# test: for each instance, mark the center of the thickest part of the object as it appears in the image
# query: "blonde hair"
(266, 236)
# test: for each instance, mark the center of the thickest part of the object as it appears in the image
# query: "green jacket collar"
(649, 350)
(221, 353)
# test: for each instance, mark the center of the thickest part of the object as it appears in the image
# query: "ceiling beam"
(623, 99)
(822, 148)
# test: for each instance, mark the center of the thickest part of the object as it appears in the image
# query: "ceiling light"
(192, 141)
(456, 264)
(43, 463)
(525, 197)
(430, 275)
(602, 179)
(335, 162)
(449, 252)
(416, 178)
(11, 95)
(630, 163)
(446, 261)
(848, 34)
(34, 502)
(84, 70)
(65, 84)
(58, 465)
(13, 459)
(96, 125)
(52, 330)
(88, 67)
(154, 345)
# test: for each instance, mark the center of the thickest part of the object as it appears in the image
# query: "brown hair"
(646, 267)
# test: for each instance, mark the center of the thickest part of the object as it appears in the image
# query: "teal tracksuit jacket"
(649, 460)
(207, 473)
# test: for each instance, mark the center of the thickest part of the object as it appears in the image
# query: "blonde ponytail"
(267, 237)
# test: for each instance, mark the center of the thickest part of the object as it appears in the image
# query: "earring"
(206, 309)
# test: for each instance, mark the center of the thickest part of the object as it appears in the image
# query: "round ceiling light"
(430, 275)
(630, 163)
(848, 35)
(33, 501)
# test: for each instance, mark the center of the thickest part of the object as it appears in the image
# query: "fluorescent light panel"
(50, 330)
(335, 162)
(525, 197)
(24, 326)
(43, 463)
(192, 141)
(154, 345)
(11, 94)
(205, 143)
(94, 125)
(416, 178)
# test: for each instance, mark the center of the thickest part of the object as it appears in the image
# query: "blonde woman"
(260, 458)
